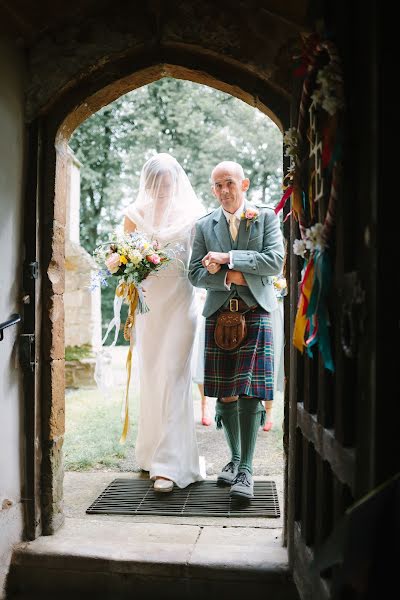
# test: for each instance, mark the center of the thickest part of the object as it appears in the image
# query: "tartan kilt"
(248, 370)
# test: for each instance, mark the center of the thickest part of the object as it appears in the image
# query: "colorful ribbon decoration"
(311, 326)
(317, 312)
(300, 323)
(282, 201)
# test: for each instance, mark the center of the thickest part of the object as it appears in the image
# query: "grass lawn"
(93, 429)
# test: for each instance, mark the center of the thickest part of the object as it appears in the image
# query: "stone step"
(119, 559)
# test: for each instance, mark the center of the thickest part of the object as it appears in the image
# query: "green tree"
(201, 126)
(198, 125)
(94, 145)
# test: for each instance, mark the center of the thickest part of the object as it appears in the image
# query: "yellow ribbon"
(301, 318)
(130, 294)
(126, 418)
(297, 201)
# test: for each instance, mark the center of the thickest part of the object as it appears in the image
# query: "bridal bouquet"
(131, 258)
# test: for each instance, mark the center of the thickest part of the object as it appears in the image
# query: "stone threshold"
(111, 558)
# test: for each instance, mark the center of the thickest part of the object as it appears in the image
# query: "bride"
(166, 210)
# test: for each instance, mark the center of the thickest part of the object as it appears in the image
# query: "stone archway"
(247, 46)
(60, 108)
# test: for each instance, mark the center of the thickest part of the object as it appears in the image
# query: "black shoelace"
(242, 478)
(229, 467)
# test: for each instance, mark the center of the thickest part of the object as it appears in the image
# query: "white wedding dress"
(166, 444)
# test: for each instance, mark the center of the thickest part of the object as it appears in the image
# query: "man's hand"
(235, 277)
(220, 258)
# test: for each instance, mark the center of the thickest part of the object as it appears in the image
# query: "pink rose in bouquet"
(154, 258)
(113, 262)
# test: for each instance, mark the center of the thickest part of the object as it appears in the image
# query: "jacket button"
(254, 268)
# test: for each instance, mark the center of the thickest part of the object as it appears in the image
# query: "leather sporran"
(230, 330)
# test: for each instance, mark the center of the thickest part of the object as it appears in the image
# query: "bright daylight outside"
(199, 127)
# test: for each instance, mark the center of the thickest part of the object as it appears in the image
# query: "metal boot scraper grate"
(204, 498)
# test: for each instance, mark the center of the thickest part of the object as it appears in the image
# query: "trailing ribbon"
(133, 296)
(115, 322)
(130, 293)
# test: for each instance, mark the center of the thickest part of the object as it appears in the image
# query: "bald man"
(236, 251)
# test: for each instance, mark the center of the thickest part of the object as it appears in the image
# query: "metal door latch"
(27, 351)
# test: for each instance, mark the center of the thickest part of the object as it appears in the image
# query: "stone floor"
(111, 555)
(81, 489)
(112, 558)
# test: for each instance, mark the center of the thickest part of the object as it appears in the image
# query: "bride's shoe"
(163, 485)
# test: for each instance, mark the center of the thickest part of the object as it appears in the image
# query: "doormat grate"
(203, 498)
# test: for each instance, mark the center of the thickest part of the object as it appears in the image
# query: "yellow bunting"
(301, 318)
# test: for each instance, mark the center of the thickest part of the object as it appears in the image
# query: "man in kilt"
(236, 251)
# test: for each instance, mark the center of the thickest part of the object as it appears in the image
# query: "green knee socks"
(226, 415)
(251, 417)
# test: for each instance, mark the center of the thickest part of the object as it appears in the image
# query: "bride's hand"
(212, 267)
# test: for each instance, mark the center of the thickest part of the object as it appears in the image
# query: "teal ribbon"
(317, 311)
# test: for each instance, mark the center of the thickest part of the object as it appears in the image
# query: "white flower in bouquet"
(135, 257)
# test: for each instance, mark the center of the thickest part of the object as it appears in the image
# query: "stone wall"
(82, 304)
(12, 423)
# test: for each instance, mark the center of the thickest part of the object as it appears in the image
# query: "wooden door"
(29, 347)
(336, 450)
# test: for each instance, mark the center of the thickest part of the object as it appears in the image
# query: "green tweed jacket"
(258, 253)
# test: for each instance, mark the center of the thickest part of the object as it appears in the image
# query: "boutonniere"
(251, 216)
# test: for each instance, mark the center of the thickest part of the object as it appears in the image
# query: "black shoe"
(242, 486)
(228, 474)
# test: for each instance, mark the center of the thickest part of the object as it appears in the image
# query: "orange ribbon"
(300, 323)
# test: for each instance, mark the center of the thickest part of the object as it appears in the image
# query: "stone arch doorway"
(54, 132)
(247, 46)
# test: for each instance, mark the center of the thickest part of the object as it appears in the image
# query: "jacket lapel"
(221, 231)
(244, 233)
